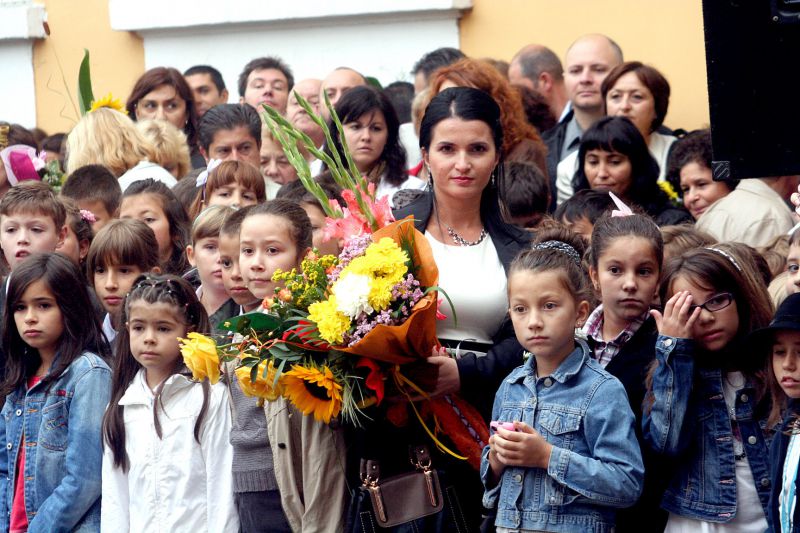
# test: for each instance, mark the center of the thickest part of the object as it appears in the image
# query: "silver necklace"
(461, 241)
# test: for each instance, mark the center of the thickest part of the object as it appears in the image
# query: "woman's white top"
(143, 170)
(174, 483)
(474, 279)
(659, 148)
(387, 189)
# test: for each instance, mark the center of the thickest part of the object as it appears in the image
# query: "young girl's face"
(608, 171)
(231, 274)
(73, 248)
(112, 282)
(317, 217)
(233, 194)
(154, 329)
(265, 245)
(786, 361)
(627, 278)
(544, 313)
(39, 320)
(712, 330)
(149, 209)
(204, 255)
(793, 267)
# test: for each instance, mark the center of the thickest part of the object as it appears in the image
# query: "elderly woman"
(689, 173)
(162, 93)
(640, 93)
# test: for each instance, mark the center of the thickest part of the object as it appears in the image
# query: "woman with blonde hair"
(169, 146)
(109, 138)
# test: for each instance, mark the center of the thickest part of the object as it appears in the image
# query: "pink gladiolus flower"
(439, 314)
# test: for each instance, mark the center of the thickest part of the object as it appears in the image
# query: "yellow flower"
(313, 391)
(332, 323)
(201, 357)
(263, 387)
(667, 188)
(380, 294)
(110, 102)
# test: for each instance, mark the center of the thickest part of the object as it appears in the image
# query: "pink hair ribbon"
(622, 209)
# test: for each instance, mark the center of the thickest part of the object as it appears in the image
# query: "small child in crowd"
(203, 254)
(154, 204)
(229, 261)
(525, 193)
(122, 251)
(231, 183)
(79, 232)
(583, 210)
(167, 461)
(706, 388)
(96, 190)
(56, 387)
(565, 453)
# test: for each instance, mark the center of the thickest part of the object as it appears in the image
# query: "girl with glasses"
(706, 402)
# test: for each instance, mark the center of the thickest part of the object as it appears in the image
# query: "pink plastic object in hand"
(508, 426)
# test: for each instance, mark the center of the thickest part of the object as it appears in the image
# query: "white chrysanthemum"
(352, 294)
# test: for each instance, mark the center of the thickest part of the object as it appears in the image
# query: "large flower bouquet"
(342, 333)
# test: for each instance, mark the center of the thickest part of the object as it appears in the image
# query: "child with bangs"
(229, 261)
(231, 183)
(122, 251)
(204, 255)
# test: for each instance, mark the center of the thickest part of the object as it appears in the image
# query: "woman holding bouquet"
(461, 138)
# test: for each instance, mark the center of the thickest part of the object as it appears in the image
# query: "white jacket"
(173, 484)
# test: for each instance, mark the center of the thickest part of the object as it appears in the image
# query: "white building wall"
(20, 23)
(380, 38)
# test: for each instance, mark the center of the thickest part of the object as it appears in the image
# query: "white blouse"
(474, 279)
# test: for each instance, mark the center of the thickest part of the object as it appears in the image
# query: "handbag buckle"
(421, 458)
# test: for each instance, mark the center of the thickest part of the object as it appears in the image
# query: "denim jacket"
(689, 419)
(63, 448)
(596, 463)
(777, 458)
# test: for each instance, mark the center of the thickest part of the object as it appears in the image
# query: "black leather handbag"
(421, 501)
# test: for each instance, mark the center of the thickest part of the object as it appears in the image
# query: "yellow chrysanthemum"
(201, 357)
(381, 259)
(263, 387)
(313, 391)
(667, 188)
(110, 102)
(332, 324)
(380, 293)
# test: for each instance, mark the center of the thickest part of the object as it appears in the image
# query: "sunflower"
(110, 102)
(313, 391)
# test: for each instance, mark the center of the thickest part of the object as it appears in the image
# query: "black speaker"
(752, 52)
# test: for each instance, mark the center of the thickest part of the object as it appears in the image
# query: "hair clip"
(622, 209)
(202, 178)
(727, 256)
(561, 247)
(88, 216)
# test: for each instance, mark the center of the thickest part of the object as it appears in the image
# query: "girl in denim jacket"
(565, 453)
(57, 386)
(706, 405)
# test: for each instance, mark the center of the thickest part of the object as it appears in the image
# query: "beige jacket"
(309, 461)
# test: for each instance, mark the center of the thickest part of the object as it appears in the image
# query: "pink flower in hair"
(88, 216)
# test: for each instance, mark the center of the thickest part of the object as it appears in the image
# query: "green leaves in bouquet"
(255, 320)
(342, 167)
(85, 94)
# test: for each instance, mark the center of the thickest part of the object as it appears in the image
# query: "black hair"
(176, 216)
(467, 103)
(537, 110)
(263, 63)
(400, 93)
(216, 76)
(586, 203)
(609, 228)
(694, 147)
(441, 57)
(228, 117)
(618, 134)
(362, 100)
(82, 329)
(297, 192)
(152, 289)
(94, 182)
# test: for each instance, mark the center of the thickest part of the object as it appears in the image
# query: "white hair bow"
(203, 177)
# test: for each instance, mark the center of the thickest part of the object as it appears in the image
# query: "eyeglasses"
(718, 302)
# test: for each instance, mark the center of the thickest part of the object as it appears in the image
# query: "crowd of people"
(628, 327)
